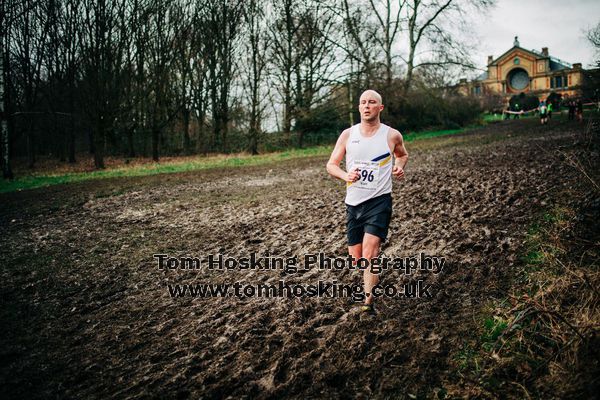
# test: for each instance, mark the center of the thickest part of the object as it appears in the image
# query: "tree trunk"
(4, 106)
(350, 104)
(200, 137)
(187, 145)
(71, 149)
(130, 147)
(287, 118)
(61, 148)
(30, 145)
(98, 141)
(253, 145)
(224, 127)
(155, 139)
(6, 169)
(409, 70)
(254, 124)
(91, 141)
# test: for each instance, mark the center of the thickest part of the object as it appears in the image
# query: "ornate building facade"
(519, 70)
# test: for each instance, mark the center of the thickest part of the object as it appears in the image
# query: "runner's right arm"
(333, 165)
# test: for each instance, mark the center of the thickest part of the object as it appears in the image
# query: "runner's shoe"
(368, 309)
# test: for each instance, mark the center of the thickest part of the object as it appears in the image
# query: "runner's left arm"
(400, 155)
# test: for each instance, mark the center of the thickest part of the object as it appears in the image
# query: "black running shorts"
(372, 216)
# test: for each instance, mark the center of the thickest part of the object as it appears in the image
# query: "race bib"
(368, 174)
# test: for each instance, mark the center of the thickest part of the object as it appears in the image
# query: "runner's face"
(369, 107)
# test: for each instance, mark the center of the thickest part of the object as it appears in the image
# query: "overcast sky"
(556, 24)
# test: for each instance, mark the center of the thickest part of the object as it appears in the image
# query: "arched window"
(518, 79)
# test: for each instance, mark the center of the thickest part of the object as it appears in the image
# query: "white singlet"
(373, 158)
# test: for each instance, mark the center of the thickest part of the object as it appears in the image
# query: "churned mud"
(86, 312)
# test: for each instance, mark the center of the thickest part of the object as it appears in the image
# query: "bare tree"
(257, 46)
(284, 55)
(5, 23)
(316, 60)
(303, 56)
(137, 87)
(591, 82)
(359, 31)
(359, 27)
(220, 32)
(30, 32)
(161, 55)
(388, 17)
(70, 36)
(183, 64)
(593, 36)
(105, 38)
(62, 64)
(199, 92)
(428, 22)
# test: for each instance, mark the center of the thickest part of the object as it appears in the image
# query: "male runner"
(374, 152)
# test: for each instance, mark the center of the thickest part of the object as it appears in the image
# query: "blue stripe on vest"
(381, 157)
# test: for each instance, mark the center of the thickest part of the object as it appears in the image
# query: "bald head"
(371, 94)
(370, 106)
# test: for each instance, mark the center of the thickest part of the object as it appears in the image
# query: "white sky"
(557, 24)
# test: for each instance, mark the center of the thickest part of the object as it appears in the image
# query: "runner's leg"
(355, 251)
(370, 249)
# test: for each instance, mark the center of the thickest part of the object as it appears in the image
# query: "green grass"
(200, 163)
(410, 137)
(467, 359)
(494, 326)
(492, 117)
(33, 181)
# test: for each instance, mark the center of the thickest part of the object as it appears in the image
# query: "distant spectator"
(579, 110)
(571, 110)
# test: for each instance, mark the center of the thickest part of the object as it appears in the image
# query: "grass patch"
(539, 340)
(493, 328)
(411, 137)
(467, 359)
(195, 164)
(487, 118)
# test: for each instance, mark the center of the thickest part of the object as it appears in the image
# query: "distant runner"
(517, 109)
(374, 152)
(543, 113)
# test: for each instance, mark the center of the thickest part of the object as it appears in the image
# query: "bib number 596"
(366, 175)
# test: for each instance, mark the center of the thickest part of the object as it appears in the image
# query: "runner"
(374, 152)
(543, 113)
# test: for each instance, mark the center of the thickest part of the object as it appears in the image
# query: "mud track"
(86, 312)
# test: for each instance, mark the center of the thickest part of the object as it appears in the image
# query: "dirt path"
(87, 314)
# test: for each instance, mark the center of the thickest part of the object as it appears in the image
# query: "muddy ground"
(86, 312)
